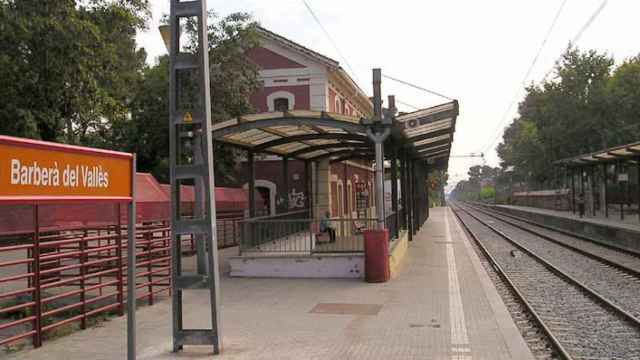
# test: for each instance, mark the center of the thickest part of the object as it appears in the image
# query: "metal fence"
(296, 234)
(55, 280)
(303, 236)
(391, 225)
(70, 278)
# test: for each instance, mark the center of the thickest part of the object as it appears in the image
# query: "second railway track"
(598, 268)
(587, 305)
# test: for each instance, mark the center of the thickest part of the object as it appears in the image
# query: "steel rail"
(514, 289)
(569, 233)
(626, 315)
(623, 268)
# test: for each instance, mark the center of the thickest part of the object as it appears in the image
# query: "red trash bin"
(376, 255)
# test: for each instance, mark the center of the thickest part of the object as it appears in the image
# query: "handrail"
(275, 217)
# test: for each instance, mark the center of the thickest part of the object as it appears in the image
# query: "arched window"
(338, 108)
(281, 101)
(281, 104)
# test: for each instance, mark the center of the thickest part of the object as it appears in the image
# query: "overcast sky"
(475, 51)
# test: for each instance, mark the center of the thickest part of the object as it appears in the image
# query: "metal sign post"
(191, 162)
(131, 267)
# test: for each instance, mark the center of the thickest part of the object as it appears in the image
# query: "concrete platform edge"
(512, 337)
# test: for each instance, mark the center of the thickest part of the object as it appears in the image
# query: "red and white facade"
(297, 78)
(310, 81)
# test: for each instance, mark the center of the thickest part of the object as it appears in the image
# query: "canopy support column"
(308, 187)
(378, 130)
(345, 194)
(394, 188)
(618, 169)
(418, 211)
(573, 189)
(414, 197)
(380, 182)
(285, 183)
(403, 188)
(427, 186)
(251, 171)
(605, 180)
(410, 197)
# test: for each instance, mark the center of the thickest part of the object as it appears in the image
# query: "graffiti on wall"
(296, 199)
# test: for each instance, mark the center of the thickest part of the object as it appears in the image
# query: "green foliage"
(67, 67)
(590, 105)
(71, 72)
(481, 178)
(487, 193)
(436, 181)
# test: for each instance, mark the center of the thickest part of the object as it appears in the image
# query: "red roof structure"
(152, 202)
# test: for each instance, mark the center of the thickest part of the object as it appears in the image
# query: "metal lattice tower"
(191, 162)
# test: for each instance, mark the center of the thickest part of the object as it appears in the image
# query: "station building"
(297, 78)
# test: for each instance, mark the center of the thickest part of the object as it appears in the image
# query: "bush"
(487, 193)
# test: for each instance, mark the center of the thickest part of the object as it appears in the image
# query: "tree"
(624, 98)
(66, 66)
(480, 178)
(589, 105)
(436, 181)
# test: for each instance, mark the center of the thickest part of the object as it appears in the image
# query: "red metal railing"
(63, 278)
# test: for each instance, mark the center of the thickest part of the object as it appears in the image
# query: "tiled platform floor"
(442, 305)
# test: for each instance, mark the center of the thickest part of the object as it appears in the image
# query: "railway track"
(545, 229)
(538, 337)
(580, 318)
(600, 268)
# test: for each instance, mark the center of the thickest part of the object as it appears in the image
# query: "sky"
(475, 51)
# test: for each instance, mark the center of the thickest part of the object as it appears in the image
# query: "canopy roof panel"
(431, 130)
(300, 133)
(313, 135)
(622, 152)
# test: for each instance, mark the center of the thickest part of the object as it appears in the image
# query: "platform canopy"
(617, 153)
(430, 131)
(316, 135)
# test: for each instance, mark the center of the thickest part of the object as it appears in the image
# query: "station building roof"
(622, 152)
(316, 135)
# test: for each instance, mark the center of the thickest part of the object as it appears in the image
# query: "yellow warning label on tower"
(187, 118)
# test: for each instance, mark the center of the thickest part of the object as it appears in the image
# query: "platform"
(624, 234)
(630, 222)
(441, 305)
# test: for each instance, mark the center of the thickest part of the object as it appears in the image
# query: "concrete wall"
(624, 238)
(546, 199)
(316, 266)
(397, 254)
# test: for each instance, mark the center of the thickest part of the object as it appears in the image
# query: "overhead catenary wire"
(505, 115)
(333, 43)
(575, 39)
(583, 29)
(417, 87)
